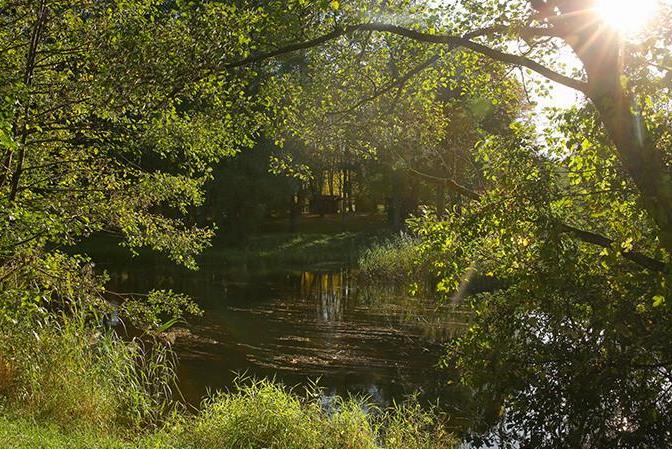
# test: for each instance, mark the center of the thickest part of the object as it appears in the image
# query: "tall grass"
(72, 375)
(393, 261)
(67, 384)
(263, 414)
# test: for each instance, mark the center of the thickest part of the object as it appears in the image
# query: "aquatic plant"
(393, 260)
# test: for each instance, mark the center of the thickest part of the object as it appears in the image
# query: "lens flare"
(627, 16)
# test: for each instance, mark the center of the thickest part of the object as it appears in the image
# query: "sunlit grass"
(392, 261)
(67, 385)
(71, 375)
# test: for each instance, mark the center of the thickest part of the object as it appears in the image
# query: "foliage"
(159, 310)
(571, 353)
(574, 223)
(113, 99)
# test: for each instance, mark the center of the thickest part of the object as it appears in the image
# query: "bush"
(259, 415)
(263, 414)
(410, 426)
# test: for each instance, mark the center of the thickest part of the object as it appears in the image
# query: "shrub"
(408, 425)
(263, 414)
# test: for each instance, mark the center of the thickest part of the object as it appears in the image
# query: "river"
(300, 326)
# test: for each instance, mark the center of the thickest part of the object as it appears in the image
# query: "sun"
(627, 16)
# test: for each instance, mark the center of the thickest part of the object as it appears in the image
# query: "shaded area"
(298, 326)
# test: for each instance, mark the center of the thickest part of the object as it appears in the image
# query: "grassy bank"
(263, 416)
(393, 261)
(293, 249)
(70, 385)
(315, 240)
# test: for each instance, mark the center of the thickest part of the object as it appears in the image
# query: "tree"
(539, 28)
(113, 115)
(572, 351)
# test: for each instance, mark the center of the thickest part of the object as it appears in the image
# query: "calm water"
(299, 326)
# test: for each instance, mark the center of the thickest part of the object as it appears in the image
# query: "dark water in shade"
(301, 325)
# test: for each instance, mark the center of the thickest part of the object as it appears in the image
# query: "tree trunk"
(601, 52)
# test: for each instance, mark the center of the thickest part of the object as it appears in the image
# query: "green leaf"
(658, 300)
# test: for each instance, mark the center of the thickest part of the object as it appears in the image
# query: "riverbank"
(291, 427)
(327, 240)
(73, 387)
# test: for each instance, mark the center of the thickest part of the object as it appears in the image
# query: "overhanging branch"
(580, 234)
(458, 41)
(600, 240)
(446, 39)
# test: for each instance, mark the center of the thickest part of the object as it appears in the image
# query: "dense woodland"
(177, 125)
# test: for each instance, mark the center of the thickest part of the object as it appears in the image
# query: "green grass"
(74, 376)
(292, 249)
(261, 414)
(392, 261)
(67, 385)
(328, 224)
(264, 416)
(316, 240)
(25, 433)
(263, 251)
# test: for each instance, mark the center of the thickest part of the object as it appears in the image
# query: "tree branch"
(465, 42)
(455, 41)
(585, 236)
(399, 82)
(600, 240)
(258, 57)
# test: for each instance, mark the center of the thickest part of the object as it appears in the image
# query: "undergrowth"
(67, 384)
(393, 260)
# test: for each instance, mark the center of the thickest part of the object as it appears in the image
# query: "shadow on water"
(300, 325)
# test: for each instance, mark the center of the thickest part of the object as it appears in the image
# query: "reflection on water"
(301, 325)
(330, 291)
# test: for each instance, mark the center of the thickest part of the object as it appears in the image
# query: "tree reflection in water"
(330, 290)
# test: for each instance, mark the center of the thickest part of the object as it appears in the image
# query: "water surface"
(300, 325)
